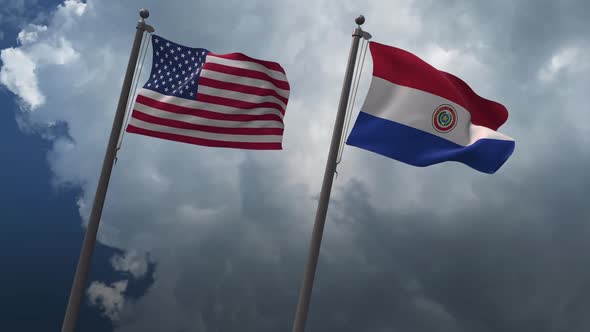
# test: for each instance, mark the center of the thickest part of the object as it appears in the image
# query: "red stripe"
(242, 57)
(404, 68)
(245, 73)
(237, 103)
(209, 129)
(205, 142)
(205, 113)
(241, 88)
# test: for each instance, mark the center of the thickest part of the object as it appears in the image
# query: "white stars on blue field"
(176, 69)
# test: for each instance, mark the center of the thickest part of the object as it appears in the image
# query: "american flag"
(220, 100)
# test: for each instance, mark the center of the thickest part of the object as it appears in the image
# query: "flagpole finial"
(360, 20)
(144, 13)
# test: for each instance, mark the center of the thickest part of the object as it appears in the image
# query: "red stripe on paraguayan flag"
(217, 100)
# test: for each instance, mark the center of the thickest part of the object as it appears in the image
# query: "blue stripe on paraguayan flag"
(421, 116)
(218, 100)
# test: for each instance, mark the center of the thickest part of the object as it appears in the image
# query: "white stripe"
(204, 121)
(206, 135)
(215, 75)
(277, 75)
(240, 96)
(206, 106)
(414, 108)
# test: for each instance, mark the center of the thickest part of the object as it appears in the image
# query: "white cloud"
(39, 48)
(109, 299)
(434, 309)
(559, 61)
(76, 7)
(458, 62)
(18, 75)
(19, 72)
(30, 34)
(131, 262)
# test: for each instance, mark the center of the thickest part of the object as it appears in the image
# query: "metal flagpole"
(320, 218)
(83, 267)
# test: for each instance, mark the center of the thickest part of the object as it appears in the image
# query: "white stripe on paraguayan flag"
(406, 105)
(240, 102)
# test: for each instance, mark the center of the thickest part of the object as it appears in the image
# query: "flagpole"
(81, 276)
(322, 210)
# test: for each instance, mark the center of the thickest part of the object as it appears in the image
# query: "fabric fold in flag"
(421, 116)
(219, 100)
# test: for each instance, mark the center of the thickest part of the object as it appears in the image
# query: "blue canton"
(175, 68)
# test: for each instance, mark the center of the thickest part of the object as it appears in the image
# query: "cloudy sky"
(201, 239)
